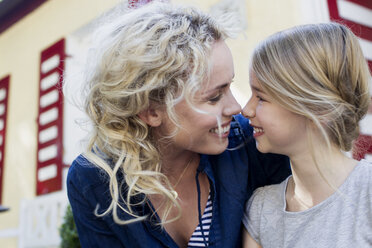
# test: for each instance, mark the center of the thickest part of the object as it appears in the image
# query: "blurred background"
(42, 130)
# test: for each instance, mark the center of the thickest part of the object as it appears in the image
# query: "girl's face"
(276, 129)
(198, 131)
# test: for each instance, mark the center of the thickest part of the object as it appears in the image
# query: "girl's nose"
(249, 109)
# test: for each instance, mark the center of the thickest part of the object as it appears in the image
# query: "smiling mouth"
(221, 131)
(257, 130)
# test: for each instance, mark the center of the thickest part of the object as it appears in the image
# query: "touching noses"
(249, 109)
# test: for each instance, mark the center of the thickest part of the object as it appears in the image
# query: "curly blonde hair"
(157, 53)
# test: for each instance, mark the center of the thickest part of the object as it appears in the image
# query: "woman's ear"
(152, 116)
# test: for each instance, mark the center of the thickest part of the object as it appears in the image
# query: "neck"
(177, 162)
(316, 178)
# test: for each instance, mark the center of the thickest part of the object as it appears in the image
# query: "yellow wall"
(264, 17)
(20, 48)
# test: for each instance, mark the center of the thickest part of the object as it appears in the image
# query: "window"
(4, 91)
(50, 120)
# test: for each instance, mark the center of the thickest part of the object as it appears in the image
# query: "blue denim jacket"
(233, 176)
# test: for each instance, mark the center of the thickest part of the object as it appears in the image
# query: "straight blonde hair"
(317, 71)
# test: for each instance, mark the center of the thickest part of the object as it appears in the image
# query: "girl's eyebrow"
(257, 89)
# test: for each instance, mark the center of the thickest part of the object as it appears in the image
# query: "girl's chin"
(261, 148)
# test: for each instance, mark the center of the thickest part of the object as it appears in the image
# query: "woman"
(160, 102)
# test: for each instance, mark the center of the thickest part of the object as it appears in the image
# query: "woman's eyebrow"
(220, 86)
(216, 89)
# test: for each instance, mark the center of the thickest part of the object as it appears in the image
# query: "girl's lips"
(255, 135)
(257, 131)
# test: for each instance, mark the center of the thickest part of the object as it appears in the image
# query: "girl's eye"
(260, 99)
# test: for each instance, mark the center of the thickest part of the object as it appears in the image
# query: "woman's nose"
(232, 107)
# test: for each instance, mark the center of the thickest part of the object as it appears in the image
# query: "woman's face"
(199, 131)
(276, 129)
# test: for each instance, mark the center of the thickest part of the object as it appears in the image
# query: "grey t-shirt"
(342, 220)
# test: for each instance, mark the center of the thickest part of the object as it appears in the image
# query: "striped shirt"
(197, 238)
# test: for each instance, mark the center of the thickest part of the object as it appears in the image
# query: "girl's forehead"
(253, 81)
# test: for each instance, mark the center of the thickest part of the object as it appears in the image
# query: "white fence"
(40, 219)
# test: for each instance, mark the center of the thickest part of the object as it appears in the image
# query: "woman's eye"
(215, 98)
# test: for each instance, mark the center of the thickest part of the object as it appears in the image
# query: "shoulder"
(265, 203)
(83, 173)
(271, 195)
(266, 199)
(365, 165)
(87, 185)
(362, 175)
(363, 171)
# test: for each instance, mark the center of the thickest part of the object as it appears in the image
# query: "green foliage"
(68, 231)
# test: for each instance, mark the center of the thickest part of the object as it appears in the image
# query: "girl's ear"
(152, 116)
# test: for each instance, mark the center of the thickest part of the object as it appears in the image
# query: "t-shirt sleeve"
(252, 214)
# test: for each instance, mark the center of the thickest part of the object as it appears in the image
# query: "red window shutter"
(362, 31)
(50, 120)
(4, 92)
(364, 3)
(363, 144)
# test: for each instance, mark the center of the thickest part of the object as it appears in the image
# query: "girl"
(309, 91)
(160, 102)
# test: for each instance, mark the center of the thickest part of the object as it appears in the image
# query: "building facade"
(42, 130)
